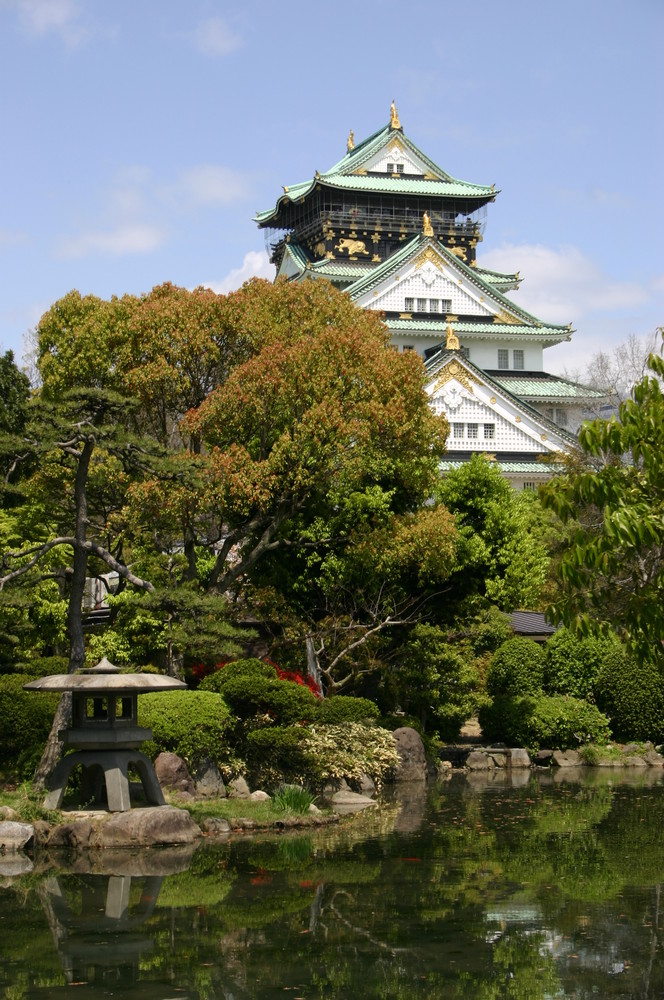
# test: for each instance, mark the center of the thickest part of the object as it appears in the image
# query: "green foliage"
(41, 666)
(193, 724)
(571, 663)
(276, 753)
(555, 722)
(516, 668)
(611, 573)
(348, 751)
(292, 799)
(25, 718)
(631, 693)
(434, 682)
(251, 688)
(344, 708)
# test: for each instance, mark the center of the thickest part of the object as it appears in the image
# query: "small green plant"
(292, 799)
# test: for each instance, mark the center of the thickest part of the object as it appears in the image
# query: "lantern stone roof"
(105, 676)
(354, 173)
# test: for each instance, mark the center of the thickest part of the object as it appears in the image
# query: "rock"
(631, 748)
(336, 785)
(365, 785)
(42, 832)
(209, 782)
(7, 813)
(71, 836)
(314, 810)
(566, 758)
(477, 760)
(519, 758)
(444, 770)
(172, 773)
(344, 803)
(238, 789)
(500, 758)
(150, 827)
(412, 758)
(15, 836)
(654, 759)
(216, 826)
(259, 796)
(634, 760)
(543, 758)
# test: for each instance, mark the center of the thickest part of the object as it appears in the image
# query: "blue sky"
(141, 136)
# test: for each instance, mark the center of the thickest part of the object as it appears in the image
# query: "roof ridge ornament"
(452, 342)
(394, 117)
(350, 145)
(427, 228)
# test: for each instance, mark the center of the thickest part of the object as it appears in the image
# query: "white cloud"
(214, 37)
(256, 264)
(39, 17)
(208, 184)
(563, 285)
(123, 239)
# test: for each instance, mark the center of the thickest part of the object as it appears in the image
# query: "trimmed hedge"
(193, 724)
(345, 708)
(632, 695)
(571, 664)
(251, 687)
(25, 719)
(516, 668)
(556, 722)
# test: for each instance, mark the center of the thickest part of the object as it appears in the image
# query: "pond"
(542, 887)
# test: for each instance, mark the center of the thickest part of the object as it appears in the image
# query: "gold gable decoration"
(429, 256)
(394, 116)
(456, 371)
(504, 317)
(427, 228)
(350, 145)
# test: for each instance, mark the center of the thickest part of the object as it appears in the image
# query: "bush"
(516, 668)
(25, 719)
(571, 664)
(193, 724)
(348, 751)
(345, 708)
(556, 722)
(251, 688)
(632, 695)
(275, 753)
(41, 666)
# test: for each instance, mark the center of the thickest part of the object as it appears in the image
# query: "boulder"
(238, 789)
(150, 827)
(365, 785)
(6, 812)
(172, 773)
(477, 760)
(15, 836)
(543, 758)
(412, 758)
(259, 796)
(344, 803)
(216, 826)
(634, 760)
(519, 758)
(209, 782)
(566, 758)
(71, 836)
(13, 865)
(654, 759)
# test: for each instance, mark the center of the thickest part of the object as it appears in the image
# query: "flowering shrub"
(296, 678)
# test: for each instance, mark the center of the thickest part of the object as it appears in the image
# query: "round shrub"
(632, 695)
(276, 753)
(193, 724)
(516, 668)
(556, 722)
(25, 718)
(345, 708)
(571, 664)
(250, 688)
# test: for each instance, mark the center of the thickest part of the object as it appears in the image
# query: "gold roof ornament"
(350, 145)
(285, 189)
(317, 175)
(427, 228)
(452, 342)
(394, 116)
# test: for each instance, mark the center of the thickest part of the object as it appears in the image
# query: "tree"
(612, 574)
(14, 396)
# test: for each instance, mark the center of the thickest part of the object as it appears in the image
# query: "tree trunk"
(53, 749)
(313, 666)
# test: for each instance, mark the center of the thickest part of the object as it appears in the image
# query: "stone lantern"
(104, 733)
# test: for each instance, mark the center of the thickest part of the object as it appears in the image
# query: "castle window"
(472, 430)
(489, 432)
(390, 168)
(503, 358)
(446, 305)
(409, 304)
(458, 430)
(517, 357)
(408, 347)
(434, 305)
(399, 168)
(421, 305)
(561, 418)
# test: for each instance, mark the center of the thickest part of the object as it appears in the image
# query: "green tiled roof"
(496, 277)
(541, 387)
(343, 176)
(488, 330)
(324, 267)
(523, 468)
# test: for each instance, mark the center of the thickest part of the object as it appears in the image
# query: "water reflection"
(482, 889)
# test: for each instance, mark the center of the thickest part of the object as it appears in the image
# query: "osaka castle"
(400, 235)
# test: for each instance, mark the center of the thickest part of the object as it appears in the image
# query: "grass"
(266, 813)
